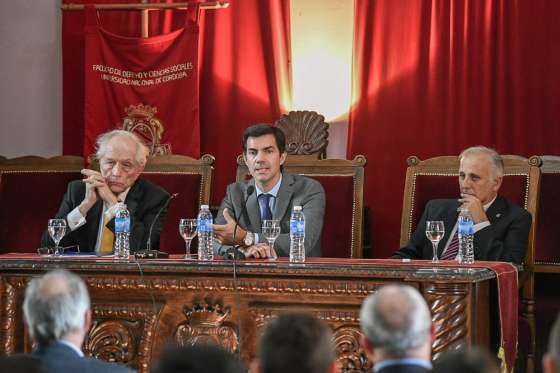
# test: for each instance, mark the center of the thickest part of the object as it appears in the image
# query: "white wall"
(322, 38)
(30, 78)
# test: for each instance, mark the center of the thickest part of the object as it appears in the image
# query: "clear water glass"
(271, 231)
(187, 230)
(435, 230)
(57, 230)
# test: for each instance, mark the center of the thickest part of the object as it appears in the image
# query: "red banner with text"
(148, 86)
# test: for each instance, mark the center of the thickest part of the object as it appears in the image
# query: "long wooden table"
(139, 306)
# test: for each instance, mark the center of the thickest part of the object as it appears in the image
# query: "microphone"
(149, 253)
(234, 253)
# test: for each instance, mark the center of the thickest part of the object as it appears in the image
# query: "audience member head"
(264, 151)
(295, 343)
(122, 157)
(551, 360)
(474, 360)
(396, 323)
(200, 358)
(57, 306)
(21, 363)
(481, 171)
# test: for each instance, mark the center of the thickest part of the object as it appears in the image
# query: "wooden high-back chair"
(31, 190)
(438, 178)
(343, 181)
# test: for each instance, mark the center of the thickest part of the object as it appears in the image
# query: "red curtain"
(434, 77)
(244, 71)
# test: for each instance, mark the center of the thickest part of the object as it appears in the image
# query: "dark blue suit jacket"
(56, 357)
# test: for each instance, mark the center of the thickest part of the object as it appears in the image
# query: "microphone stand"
(148, 253)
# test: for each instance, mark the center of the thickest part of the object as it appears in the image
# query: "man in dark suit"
(275, 194)
(501, 228)
(296, 343)
(89, 205)
(58, 316)
(397, 330)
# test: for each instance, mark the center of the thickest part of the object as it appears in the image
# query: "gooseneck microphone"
(149, 253)
(233, 252)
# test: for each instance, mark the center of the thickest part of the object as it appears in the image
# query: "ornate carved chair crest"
(306, 133)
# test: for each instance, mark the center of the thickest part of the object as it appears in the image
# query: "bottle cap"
(297, 208)
(204, 207)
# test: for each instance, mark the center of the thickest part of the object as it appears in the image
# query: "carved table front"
(139, 306)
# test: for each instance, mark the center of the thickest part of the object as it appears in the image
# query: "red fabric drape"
(244, 71)
(434, 77)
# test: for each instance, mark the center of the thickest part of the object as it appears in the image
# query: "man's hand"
(475, 208)
(89, 199)
(97, 181)
(224, 232)
(260, 251)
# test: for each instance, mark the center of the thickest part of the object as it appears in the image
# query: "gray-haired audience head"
(296, 343)
(473, 360)
(551, 360)
(396, 323)
(55, 305)
(200, 358)
(493, 156)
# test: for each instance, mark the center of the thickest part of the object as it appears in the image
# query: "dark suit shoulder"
(98, 365)
(152, 188)
(304, 181)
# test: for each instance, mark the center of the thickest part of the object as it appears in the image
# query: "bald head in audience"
(551, 360)
(397, 328)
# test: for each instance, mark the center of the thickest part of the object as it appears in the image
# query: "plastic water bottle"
(122, 233)
(205, 239)
(466, 237)
(297, 236)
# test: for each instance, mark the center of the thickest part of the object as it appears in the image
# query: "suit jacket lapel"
(132, 199)
(496, 210)
(253, 209)
(284, 196)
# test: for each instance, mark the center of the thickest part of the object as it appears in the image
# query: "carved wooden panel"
(136, 314)
(449, 304)
(207, 324)
(306, 132)
(123, 333)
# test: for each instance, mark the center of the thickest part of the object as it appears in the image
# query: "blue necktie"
(266, 213)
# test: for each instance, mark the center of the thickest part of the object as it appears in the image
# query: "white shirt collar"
(487, 206)
(273, 191)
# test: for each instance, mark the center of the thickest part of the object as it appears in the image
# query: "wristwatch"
(249, 239)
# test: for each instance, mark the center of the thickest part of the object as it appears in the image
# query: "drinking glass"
(57, 229)
(435, 231)
(271, 231)
(187, 230)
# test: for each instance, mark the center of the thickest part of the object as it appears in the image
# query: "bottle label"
(205, 225)
(122, 225)
(466, 226)
(297, 227)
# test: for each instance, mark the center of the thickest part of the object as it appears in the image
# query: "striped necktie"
(453, 247)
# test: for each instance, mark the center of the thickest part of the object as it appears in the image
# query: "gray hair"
(396, 320)
(55, 304)
(495, 158)
(554, 342)
(142, 150)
